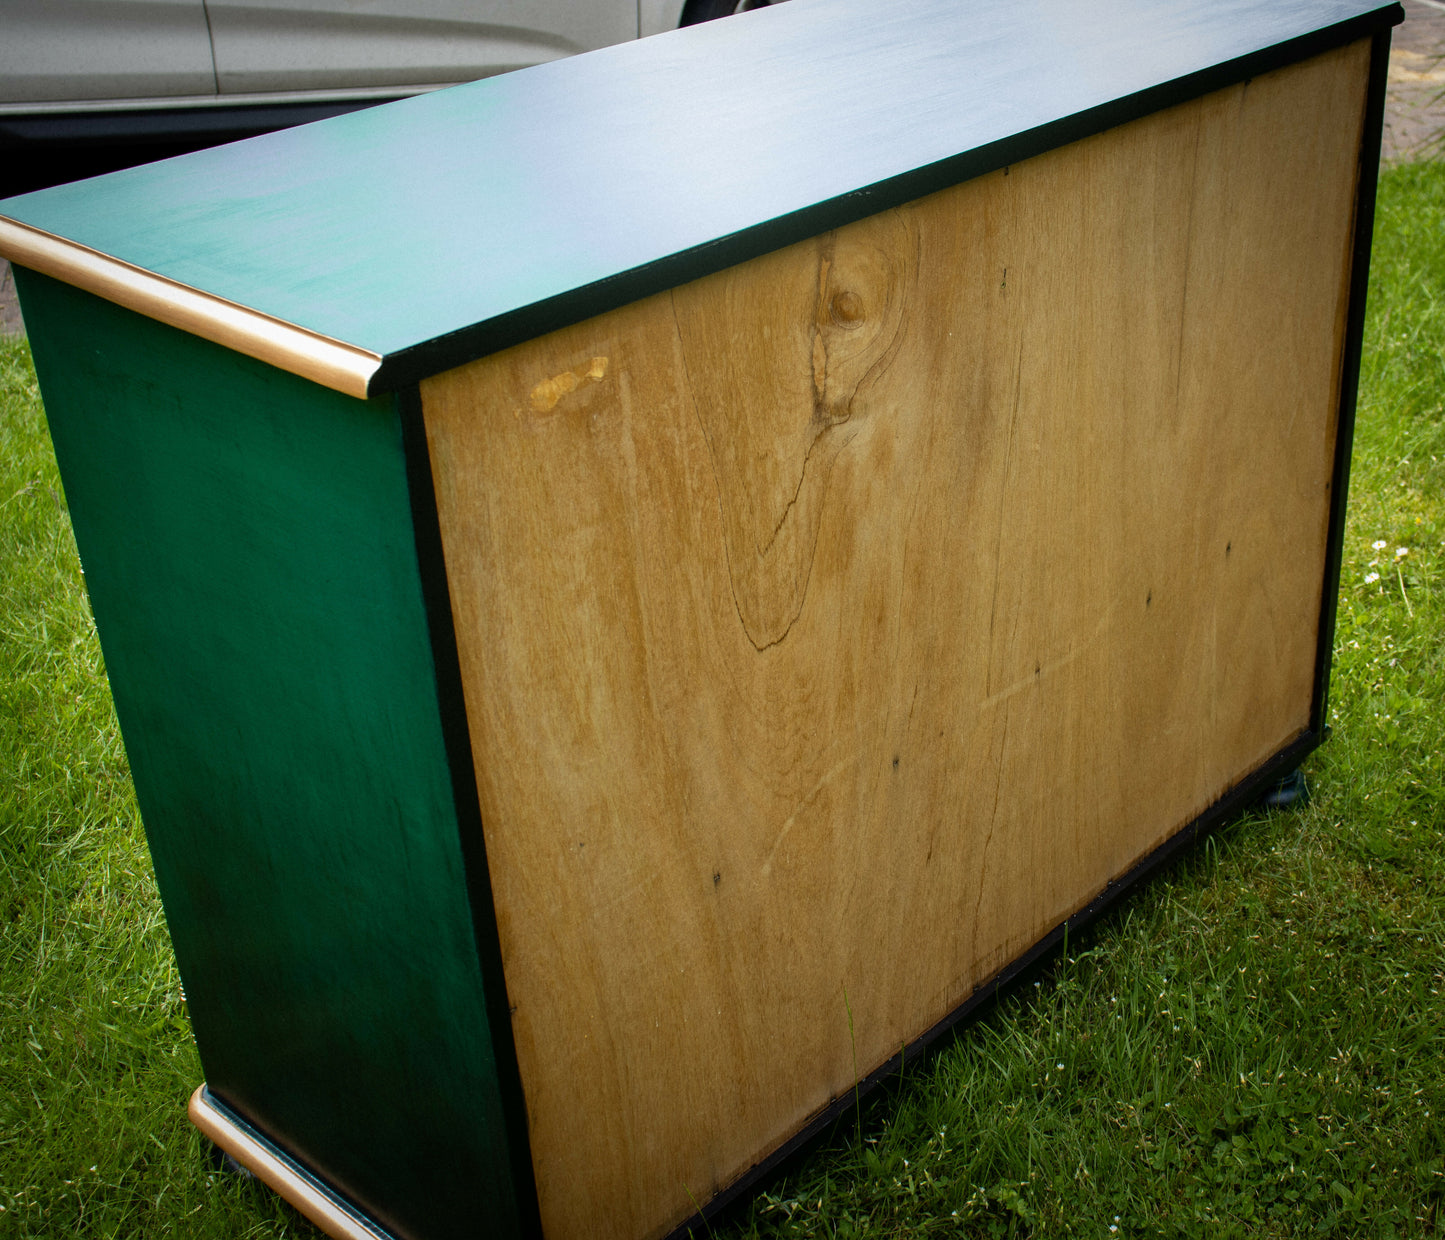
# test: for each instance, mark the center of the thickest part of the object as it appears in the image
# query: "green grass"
(96, 1058)
(1252, 1045)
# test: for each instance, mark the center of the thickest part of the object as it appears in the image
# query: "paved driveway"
(1415, 97)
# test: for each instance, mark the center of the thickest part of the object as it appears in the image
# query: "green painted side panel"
(249, 553)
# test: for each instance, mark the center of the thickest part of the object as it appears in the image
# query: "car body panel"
(655, 16)
(288, 45)
(92, 86)
(104, 49)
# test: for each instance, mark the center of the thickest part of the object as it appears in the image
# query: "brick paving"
(1415, 95)
(1414, 113)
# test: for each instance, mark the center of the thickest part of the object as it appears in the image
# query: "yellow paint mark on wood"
(547, 393)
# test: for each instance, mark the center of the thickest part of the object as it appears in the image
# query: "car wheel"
(695, 11)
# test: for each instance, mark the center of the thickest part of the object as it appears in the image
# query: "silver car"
(170, 75)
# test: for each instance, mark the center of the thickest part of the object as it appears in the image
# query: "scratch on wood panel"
(1214, 665)
(925, 470)
(681, 347)
(899, 623)
(1043, 669)
(1003, 497)
(763, 643)
(805, 351)
(1188, 243)
(547, 393)
(827, 777)
(992, 822)
(764, 548)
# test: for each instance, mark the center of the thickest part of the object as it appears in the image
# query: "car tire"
(695, 11)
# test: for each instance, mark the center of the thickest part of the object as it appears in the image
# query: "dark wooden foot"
(1287, 793)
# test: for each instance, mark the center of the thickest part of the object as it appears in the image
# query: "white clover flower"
(1378, 545)
(1371, 578)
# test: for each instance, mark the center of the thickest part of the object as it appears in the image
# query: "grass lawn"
(1252, 1045)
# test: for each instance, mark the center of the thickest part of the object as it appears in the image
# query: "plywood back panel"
(834, 626)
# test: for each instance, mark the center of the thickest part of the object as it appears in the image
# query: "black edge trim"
(30, 133)
(1234, 802)
(301, 1172)
(457, 348)
(457, 737)
(1350, 360)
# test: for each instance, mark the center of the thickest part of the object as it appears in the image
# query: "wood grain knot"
(784, 388)
(846, 309)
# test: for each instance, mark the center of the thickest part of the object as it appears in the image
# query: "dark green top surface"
(439, 228)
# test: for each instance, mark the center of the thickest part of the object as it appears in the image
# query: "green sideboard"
(637, 592)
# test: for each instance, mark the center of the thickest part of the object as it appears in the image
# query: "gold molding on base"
(332, 363)
(275, 1174)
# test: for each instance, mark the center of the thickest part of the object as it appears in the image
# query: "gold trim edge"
(275, 1174)
(332, 363)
